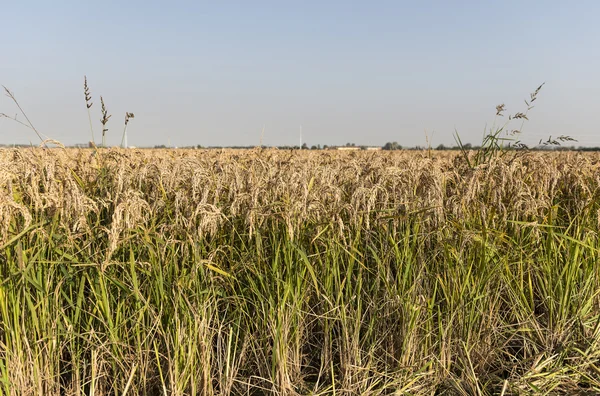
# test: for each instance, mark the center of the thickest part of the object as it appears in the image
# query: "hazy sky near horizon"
(216, 73)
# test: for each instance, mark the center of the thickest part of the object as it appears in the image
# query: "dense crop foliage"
(277, 272)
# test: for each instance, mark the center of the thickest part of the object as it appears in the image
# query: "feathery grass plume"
(29, 123)
(500, 109)
(104, 121)
(495, 145)
(88, 105)
(128, 116)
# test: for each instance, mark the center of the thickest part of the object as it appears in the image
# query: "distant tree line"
(389, 146)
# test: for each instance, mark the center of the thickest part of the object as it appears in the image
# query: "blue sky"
(215, 73)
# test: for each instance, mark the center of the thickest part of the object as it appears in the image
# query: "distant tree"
(392, 146)
(441, 147)
(304, 146)
(313, 147)
(325, 147)
(350, 145)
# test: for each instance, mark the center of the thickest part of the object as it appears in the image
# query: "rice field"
(266, 272)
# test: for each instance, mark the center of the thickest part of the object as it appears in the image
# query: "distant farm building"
(356, 148)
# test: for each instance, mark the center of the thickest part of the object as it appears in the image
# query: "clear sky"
(215, 73)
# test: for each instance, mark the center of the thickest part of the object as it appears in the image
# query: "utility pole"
(300, 137)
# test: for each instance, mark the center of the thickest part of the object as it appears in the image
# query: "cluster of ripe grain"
(278, 272)
(198, 192)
